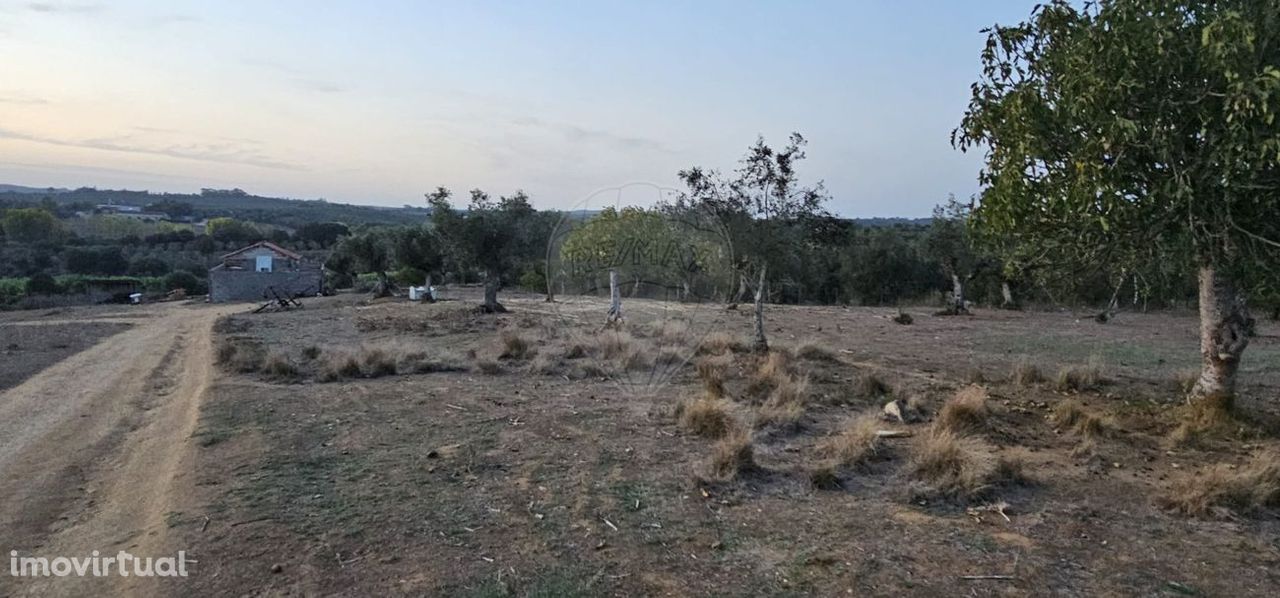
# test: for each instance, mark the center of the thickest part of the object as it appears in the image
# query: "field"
(391, 448)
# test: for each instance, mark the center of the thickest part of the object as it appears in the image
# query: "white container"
(416, 293)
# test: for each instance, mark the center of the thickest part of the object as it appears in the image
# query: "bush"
(184, 280)
(42, 284)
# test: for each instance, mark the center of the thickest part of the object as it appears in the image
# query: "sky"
(378, 102)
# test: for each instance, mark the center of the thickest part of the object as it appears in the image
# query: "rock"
(276, 568)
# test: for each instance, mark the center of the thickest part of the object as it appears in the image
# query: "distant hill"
(237, 204)
(20, 189)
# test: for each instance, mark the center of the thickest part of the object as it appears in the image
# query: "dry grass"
(424, 362)
(614, 344)
(376, 362)
(856, 444)
(588, 370)
(240, 355)
(488, 367)
(515, 346)
(311, 352)
(965, 412)
(975, 375)
(637, 358)
(277, 365)
(339, 365)
(772, 370)
(1080, 378)
(544, 365)
(870, 385)
(1072, 415)
(719, 343)
(1222, 488)
(733, 455)
(712, 372)
(709, 417)
(1025, 374)
(813, 350)
(1208, 416)
(786, 402)
(669, 332)
(1185, 380)
(951, 465)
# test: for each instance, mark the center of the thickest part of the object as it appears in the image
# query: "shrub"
(42, 284)
(614, 344)
(870, 385)
(338, 366)
(311, 352)
(184, 280)
(240, 355)
(712, 372)
(1079, 378)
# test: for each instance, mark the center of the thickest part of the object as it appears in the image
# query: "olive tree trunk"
(491, 284)
(383, 286)
(615, 299)
(429, 297)
(1224, 318)
(761, 344)
(1006, 293)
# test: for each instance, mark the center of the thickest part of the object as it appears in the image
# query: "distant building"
(251, 273)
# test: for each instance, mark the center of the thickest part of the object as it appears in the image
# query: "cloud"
(221, 152)
(578, 134)
(22, 100)
(63, 8)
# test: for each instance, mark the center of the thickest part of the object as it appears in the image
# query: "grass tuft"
(733, 455)
(277, 365)
(712, 372)
(856, 444)
(515, 346)
(719, 343)
(951, 465)
(707, 416)
(813, 350)
(1080, 378)
(1025, 374)
(1221, 489)
(965, 412)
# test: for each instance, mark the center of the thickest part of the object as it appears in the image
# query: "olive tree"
(1130, 131)
(491, 234)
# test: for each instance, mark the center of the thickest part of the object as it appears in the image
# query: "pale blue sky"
(378, 102)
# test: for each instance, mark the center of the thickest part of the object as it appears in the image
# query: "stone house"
(250, 274)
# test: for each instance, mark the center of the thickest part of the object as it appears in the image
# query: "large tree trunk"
(742, 288)
(761, 344)
(615, 300)
(957, 294)
(491, 305)
(1224, 318)
(430, 298)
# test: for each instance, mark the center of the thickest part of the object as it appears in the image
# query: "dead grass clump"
(338, 366)
(669, 332)
(813, 350)
(423, 362)
(871, 385)
(311, 352)
(1221, 489)
(574, 351)
(951, 465)
(277, 365)
(856, 443)
(240, 355)
(1207, 416)
(376, 362)
(772, 370)
(733, 455)
(614, 345)
(515, 346)
(965, 412)
(719, 343)
(1071, 415)
(589, 370)
(488, 367)
(1025, 374)
(785, 405)
(544, 365)
(712, 371)
(669, 358)
(1080, 378)
(975, 375)
(706, 416)
(637, 359)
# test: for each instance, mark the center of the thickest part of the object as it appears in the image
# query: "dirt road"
(92, 449)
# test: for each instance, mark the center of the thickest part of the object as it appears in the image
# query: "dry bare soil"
(375, 448)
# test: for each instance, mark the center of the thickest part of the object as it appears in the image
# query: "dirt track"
(92, 448)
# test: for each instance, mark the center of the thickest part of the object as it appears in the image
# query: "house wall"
(247, 285)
